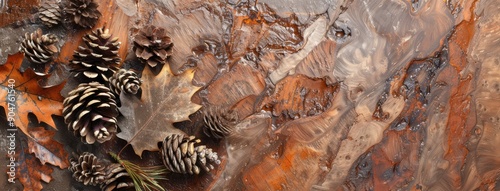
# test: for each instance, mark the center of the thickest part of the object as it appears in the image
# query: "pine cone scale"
(143, 54)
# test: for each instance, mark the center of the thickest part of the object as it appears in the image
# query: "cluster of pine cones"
(83, 13)
(39, 48)
(91, 109)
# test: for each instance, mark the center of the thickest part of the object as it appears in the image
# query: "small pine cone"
(83, 12)
(126, 81)
(88, 169)
(97, 60)
(39, 49)
(50, 14)
(90, 111)
(219, 122)
(152, 46)
(116, 178)
(180, 155)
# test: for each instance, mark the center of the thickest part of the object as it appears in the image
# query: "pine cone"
(88, 169)
(126, 81)
(50, 14)
(153, 46)
(116, 178)
(97, 60)
(90, 111)
(39, 49)
(83, 12)
(219, 122)
(180, 155)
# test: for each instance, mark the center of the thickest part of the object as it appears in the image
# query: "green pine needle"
(143, 177)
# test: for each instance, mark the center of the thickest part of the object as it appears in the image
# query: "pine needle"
(143, 177)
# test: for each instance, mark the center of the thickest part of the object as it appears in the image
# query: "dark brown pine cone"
(152, 46)
(116, 178)
(90, 111)
(83, 12)
(180, 155)
(219, 122)
(98, 58)
(124, 81)
(39, 49)
(88, 169)
(50, 14)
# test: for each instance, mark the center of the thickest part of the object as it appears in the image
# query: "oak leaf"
(31, 172)
(45, 148)
(29, 96)
(165, 99)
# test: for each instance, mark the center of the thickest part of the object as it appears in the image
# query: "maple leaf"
(29, 96)
(31, 172)
(165, 99)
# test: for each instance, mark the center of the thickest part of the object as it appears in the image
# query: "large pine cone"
(88, 169)
(50, 14)
(126, 81)
(116, 178)
(90, 111)
(153, 46)
(83, 12)
(39, 49)
(180, 155)
(97, 60)
(219, 122)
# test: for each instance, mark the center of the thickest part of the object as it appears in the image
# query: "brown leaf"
(46, 148)
(166, 99)
(29, 96)
(31, 172)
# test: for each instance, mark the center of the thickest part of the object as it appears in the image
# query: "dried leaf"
(46, 148)
(31, 172)
(30, 97)
(166, 99)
